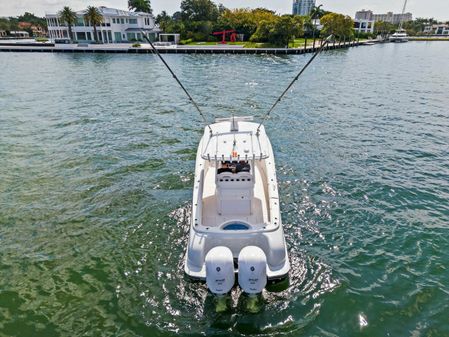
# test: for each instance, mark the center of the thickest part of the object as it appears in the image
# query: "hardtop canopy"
(241, 144)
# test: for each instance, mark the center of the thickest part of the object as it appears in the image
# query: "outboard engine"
(220, 276)
(252, 270)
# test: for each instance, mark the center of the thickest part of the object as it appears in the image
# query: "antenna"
(293, 81)
(177, 80)
(402, 16)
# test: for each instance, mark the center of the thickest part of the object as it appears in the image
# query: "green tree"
(317, 12)
(68, 16)
(283, 31)
(262, 33)
(5, 24)
(298, 25)
(33, 19)
(94, 17)
(221, 9)
(339, 25)
(417, 26)
(240, 19)
(246, 21)
(140, 6)
(278, 30)
(199, 10)
(163, 20)
(384, 28)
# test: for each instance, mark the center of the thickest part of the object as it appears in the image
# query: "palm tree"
(316, 13)
(95, 18)
(69, 17)
(140, 6)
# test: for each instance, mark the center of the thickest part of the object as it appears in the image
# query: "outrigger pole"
(177, 80)
(292, 82)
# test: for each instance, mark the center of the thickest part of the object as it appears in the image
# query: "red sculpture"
(232, 35)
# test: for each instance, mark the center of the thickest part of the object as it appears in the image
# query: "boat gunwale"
(273, 206)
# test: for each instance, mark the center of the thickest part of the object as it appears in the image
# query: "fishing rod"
(177, 80)
(293, 81)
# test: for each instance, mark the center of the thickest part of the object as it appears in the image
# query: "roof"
(106, 11)
(243, 144)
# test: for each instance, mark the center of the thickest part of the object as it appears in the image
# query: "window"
(113, 20)
(79, 21)
(133, 21)
(122, 21)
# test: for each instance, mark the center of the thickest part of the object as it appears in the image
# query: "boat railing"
(197, 208)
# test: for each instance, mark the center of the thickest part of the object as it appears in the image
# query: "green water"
(96, 161)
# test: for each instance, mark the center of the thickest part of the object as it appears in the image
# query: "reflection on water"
(97, 157)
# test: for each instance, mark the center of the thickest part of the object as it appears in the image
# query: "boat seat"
(234, 193)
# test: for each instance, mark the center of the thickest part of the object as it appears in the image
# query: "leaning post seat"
(234, 193)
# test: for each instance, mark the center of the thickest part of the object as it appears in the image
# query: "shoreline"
(146, 49)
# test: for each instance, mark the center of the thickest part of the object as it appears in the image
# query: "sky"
(438, 9)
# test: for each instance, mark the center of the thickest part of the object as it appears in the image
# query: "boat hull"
(398, 40)
(273, 245)
(236, 210)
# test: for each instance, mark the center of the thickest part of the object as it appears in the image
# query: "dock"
(146, 48)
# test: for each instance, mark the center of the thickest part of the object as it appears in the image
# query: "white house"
(439, 29)
(364, 26)
(118, 26)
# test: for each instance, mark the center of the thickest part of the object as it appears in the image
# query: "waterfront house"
(364, 26)
(37, 30)
(439, 29)
(118, 26)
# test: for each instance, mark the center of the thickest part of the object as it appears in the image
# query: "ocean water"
(96, 166)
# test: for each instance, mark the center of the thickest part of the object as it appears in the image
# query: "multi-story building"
(118, 26)
(364, 15)
(388, 17)
(303, 7)
(393, 18)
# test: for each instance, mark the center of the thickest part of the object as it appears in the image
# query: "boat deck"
(259, 216)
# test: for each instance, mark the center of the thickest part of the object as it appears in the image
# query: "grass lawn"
(214, 43)
(298, 43)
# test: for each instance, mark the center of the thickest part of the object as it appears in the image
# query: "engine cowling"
(252, 270)
(220, 276)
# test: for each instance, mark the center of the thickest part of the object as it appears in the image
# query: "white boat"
(236, 208)
(399, 36)
(236, 225)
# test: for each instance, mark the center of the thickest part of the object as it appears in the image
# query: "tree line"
(197, 19)
(12, 23)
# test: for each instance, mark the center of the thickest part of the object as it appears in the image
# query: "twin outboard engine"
(220, 270)
(252, 275)
(252, 270)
